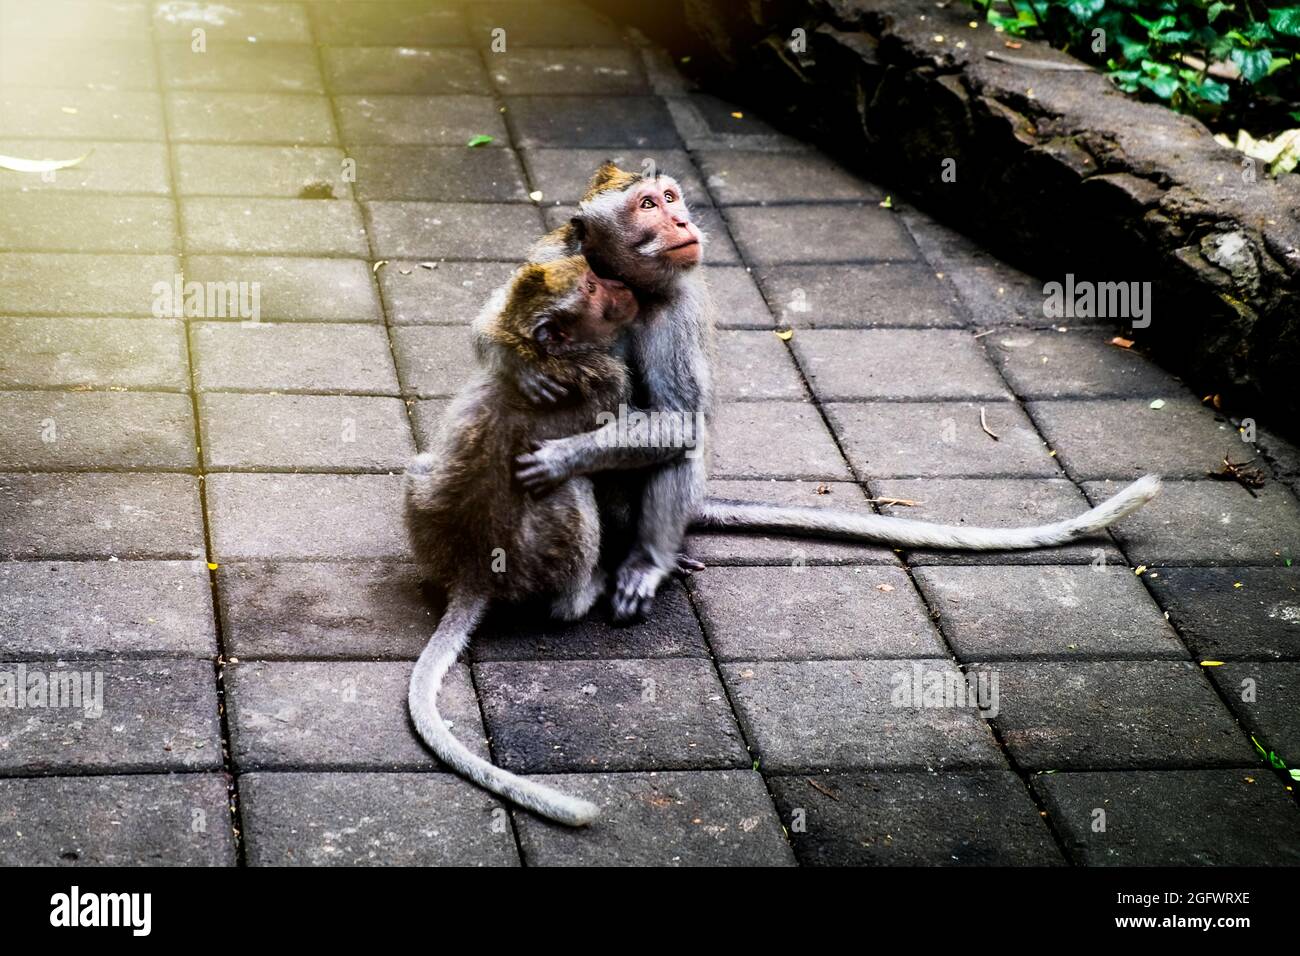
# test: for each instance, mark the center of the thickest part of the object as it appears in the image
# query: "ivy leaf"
(1253, 64)
(1212, 13)
(1085, 10)
(1285, 20)
(1162, 86)
(1210, 90)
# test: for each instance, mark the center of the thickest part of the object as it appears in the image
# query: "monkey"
(483, 536)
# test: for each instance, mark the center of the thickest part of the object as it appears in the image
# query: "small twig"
(817, 786)
(980, 335)
(984, 424)
(905, 502)
(1031, 64)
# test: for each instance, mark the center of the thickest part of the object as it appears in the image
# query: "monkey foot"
(634, 590)
(686, 566)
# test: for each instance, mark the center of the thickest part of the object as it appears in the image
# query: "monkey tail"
(717, 513)
(458, 622)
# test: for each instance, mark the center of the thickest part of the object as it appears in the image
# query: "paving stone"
(64, 222)
(426, 417)
(96, 114)
(529, 633)
(110, 167)
(318, 290)
(848, 364)
(998, 295)
(915, 819)
(1173, 818)
(1208, 522)
(257, 517)
(1266, 697)
(76, 18)
(114, 64)
(1049, 364)
(857, 296)
(267, 118)
(737, 303)
(706, 122)
(774, 440)
(338, 715)
(276, 226)
(119, 430)
(325, 358)
(760, 178)
(1220, 621)
(440, 173)
(455, 230)
(838, 715)
(45, 284)
(922, 439)
(372, 819)
(242, 67)
(132, 717)
(704, 818)
(403, 69)
(434, 360)
(100, 516)
(588, 122)
(1126, 438)
(387, 24)
(608, 71)
(432, 120)
(532, 24)
(78, 609)
(803, 613)
(755, 365)
(93, 353)
(1080, 612)
(262, 22)
(996, 503)
(762, 548)
(563, 174)
(305, 433)
(376, 610)
(853, 232)
(1114, 715)
(444, 293)
(666, 714)
(134, 820)
(278, 171)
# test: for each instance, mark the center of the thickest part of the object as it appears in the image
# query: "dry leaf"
(20, 165)
(1122, 342)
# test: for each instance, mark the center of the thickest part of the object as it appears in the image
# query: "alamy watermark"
(1098, 300)
(633, 428)
(179, 299)
(24, 688)
(945, 687)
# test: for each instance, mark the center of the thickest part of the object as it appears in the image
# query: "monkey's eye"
(591, 287)
(669, 197)
(647, 203)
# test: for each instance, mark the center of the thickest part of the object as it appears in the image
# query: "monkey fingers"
(687, 566)
(540, 389)
(634, 592)
(540, 471)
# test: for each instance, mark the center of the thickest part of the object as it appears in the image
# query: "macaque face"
(660, 224)
(593, 314)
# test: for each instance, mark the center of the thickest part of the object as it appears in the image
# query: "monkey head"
(562, 307)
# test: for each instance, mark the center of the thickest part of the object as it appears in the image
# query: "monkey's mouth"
(684, 245)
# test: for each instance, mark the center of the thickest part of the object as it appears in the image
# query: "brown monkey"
(483, 535)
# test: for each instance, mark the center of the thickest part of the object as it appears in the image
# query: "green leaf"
(1210, 90)
(1212, 13)
(1162, 86)
(1253, 64)
(1285, 20)
(1085, 10)
(480, 140)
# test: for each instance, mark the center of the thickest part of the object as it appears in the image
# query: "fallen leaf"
(1158, 404)
(884, 587)
(888, 203)
(1122, 342)
(1211, 663)
(535, 195)
(376, 267)
(785, 335)
(20, 165)
(480, 140)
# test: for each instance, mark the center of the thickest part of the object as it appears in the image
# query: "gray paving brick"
(77, 609)
(856, 296)
(308, 610)
(135, 820)
(803, 613)
(924, 439)
(95, 114)
(755, 365)
(759, 178)
(45, 284)
(338, 715)
(426, 416)
(706, 122)
(736, 299)
(145, 715)
(848, 364)
(119, 430)
(1010, 613)
(325, 358)
(1173, 818)
(276, 226)
(455, 230)
(774, 440)
(443, 293)
(608, 71)
(100, 516)
(914, 819)
(241, 67)
(1266, 698)
(109, 167)
(713, 818)
(756, 549)
(1219, 620)
(555, 24)
(562, 174)
(608, 715)
(73, 18)
(403, 69)
(304, 433)
(998, 295)
(113, 64)
(1209, 522)
(839, 715)
(588, 122)
(262, 22)
(64, 222)
(1114, 715)
(433, 360)
(826, 233)
(372, 819)
(439, 173)
(317, 290)
(1049, 364)
(93, 353)
(257, 517)
(395, 119)
(996, 503)
(290, 118)
(278, 171)
(392, 24)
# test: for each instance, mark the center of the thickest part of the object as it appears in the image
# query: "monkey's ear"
(609, 176)
(549, 335)
(579, 227)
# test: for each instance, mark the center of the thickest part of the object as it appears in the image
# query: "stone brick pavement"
(201, 513)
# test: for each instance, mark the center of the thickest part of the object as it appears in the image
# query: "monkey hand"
(686, 566)
(543, 469)
(539, 388)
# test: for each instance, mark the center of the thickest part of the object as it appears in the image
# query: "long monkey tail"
(458, 622)
(718, 513)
